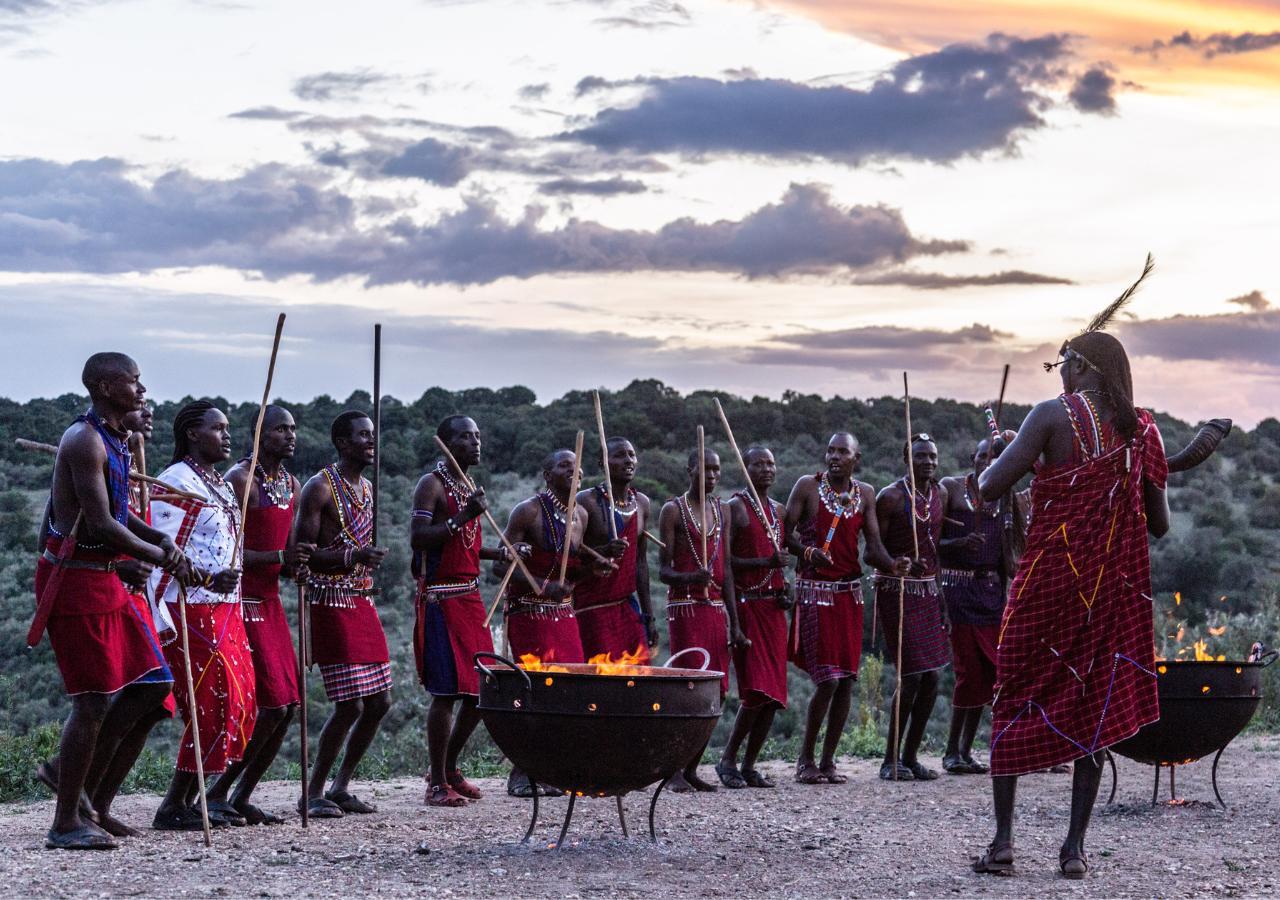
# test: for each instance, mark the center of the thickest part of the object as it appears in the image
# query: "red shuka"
(761, 668)
(450, 628)
(695, 613)
(608, 613)
(99, 639)
(826, 628)
(275, 665)
(535, 626)
(1076, 661)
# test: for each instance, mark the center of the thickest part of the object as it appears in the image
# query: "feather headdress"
(1103, 319)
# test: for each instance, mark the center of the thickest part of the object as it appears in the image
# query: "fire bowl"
(598, 735)
(1204, 704)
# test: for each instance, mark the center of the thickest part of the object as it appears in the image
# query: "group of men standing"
(137, 583)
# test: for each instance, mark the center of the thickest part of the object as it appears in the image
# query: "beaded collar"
(832, 502)
(460, 493)
(624, 506)
(555, 516)
(278, 490)
(915, 504)
(971, 495)
(217, 486)
(691, 528)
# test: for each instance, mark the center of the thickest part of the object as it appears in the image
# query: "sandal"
(1073, 866)
(831, 775)
(443, 795)
(349, 802)
(462, 786)
(957, 765)
(756, 780)
(729, 775)
(86, 837)
(975, 767)
(546, 790)
(222, 811)
(997, 860)
(808, 773)
(519, 785)
(903, 773)
(921, 772)
(321, 808)
(186, 818)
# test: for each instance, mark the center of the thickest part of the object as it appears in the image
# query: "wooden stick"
(144, 489)
(44, 604)
(755, 495)
(515, 557)
(570, 518)
(653, 537)
(902, 582)
(377, 425)
(702, 491)
(497, 598)
(136, 476)
(191, 711)
(1004, 381)
(257, 439)
(303, 627)
(604, 458)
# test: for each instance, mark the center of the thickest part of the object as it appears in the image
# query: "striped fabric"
(343, 681)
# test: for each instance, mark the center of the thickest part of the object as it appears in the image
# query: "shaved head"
(103, 367)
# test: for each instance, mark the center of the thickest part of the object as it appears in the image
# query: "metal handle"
(1268, 658)
(706, 657)
(528, 685)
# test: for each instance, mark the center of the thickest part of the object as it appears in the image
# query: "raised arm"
(1019, 458)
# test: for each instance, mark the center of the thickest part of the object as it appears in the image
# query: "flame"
(531, 663)
(1218, 631)
(1177, 598)
(624, 665)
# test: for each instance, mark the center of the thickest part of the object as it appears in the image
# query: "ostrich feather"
(1103, 319)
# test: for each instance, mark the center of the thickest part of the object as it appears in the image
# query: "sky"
(745, 195)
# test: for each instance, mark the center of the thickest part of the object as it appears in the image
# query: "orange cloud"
(1110, 30)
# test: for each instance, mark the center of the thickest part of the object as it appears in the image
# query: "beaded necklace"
(769, 521)
(354, 517)
(461, 494)
(844, 506)
(556, 515)
(279, 490)
(915, 497)
(627, 506)
(972, 495)
(691, 526)
(218, 489)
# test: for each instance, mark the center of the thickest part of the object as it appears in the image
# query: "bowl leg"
(622, 817)
(1217, 757)
(1115, 780)
(568, 817)
(534, 821)
(1155, 791)
(653, 804)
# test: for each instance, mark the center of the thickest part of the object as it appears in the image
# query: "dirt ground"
(866, 838)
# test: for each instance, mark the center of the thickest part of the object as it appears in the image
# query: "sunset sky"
(747, 195)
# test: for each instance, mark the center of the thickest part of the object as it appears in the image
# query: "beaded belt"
(695, 601)
(814, 592)
(91, 565)
(433, 593)
(920, 587)
(252, 608)
(538, 607)
(772, 594)
(956, 576)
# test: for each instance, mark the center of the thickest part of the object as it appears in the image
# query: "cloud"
(1219, 44)
(877, 345)
(534, 91)
(267, 114)
(1253, 301)
(963, 100)
(937, 281)
(432, 161)
(650, 16)
(1092, 92)
(599, 187)
(1239, 337)
(91, 216)
(326, 86)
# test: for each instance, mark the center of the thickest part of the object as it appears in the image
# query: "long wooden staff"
(497, 598)
(604, 459)
(994, 424)
(573, 508)
(257, 438)
(493, 523)
(755, 495)
(377, 424)
(134, 476)
(191, 711)
(902, 581)
(304, 627)
(702, 500)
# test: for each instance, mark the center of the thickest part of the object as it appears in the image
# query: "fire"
(531, 663)
(1179, 644)
(624, 665)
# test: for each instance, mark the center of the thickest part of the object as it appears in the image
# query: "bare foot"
(679, 785)
(698, 783)
(114, 827)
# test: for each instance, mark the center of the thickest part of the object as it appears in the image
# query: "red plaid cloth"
(1075, 661)
(351, 681)
(925, 645)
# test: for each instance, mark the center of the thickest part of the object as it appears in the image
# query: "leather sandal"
(461, 786)
(997, 860)
(444, 796)
(1073, 866)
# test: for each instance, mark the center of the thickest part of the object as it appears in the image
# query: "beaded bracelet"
(280, 557)
(346, 559)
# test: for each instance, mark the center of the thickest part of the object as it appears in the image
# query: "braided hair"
(190, 416)
(1105, 355)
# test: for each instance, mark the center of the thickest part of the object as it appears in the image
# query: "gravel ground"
(866, 838)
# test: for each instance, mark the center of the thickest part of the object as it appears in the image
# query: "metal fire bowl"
(598, 735)
(1203, 706)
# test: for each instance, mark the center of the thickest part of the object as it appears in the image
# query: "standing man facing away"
(1075, 662)
(335, 515)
